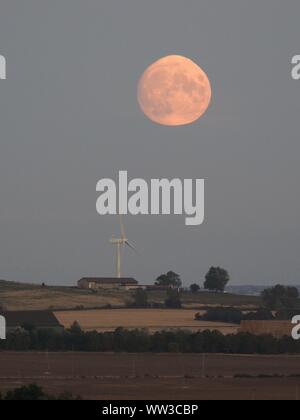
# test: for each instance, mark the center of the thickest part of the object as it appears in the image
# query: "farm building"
(278, 329)
(36, 319)
(107, 283)
(158, 288)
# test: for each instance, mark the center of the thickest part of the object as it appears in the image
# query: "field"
(109, 376)
(152, 319)
(19, 296)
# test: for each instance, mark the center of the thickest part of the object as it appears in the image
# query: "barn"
(96, 283)
(34, 319)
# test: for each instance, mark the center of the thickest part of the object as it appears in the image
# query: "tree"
(216, 279)
(27, 326)
(140, 297)
(280, 297)
(170, 279)
(75, 329)
(173, 299)
(195, 288)
(18, 339)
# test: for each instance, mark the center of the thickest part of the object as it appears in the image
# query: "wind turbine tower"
(120, 244)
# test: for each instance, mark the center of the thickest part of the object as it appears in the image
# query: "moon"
(174, 91)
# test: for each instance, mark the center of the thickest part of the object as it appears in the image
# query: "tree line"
(280, 303)
(139, 341)
(236, 316)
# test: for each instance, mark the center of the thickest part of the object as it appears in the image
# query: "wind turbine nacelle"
(116, 241)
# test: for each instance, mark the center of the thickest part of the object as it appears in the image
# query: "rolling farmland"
(152, 319)
(22, 296)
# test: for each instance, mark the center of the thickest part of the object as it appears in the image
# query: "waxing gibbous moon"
(174, 91)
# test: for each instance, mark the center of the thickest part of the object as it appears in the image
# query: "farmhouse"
(95, 283)
(36, 319)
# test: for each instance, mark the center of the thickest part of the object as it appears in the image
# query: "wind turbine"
(121, 242)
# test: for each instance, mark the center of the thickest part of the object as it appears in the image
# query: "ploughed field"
(152, 319)
(154, 376)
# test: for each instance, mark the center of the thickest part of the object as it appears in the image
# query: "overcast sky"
(69, 117)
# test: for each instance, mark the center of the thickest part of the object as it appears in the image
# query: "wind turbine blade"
(122, 227)
(132, 247)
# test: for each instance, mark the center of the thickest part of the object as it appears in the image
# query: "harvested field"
(152, 319)
(154, 376)
(278, 329)
(58, 298)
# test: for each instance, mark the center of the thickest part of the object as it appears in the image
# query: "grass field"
(151, 319)
(19, 296)
(107, 376)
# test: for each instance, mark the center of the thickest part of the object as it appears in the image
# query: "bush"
(261, 315)
(140, 298)
(234, 316)
(230, 315)
(34, 392)
(194, 288)
(26, 393)
(173, 299)
(286, 314)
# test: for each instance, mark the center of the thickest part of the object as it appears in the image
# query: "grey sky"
(69, 117)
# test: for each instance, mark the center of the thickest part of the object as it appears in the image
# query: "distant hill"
(9, 285)
(24, 296)
(248, 290)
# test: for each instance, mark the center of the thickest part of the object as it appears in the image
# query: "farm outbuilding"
(95, 283)
(35, 319)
